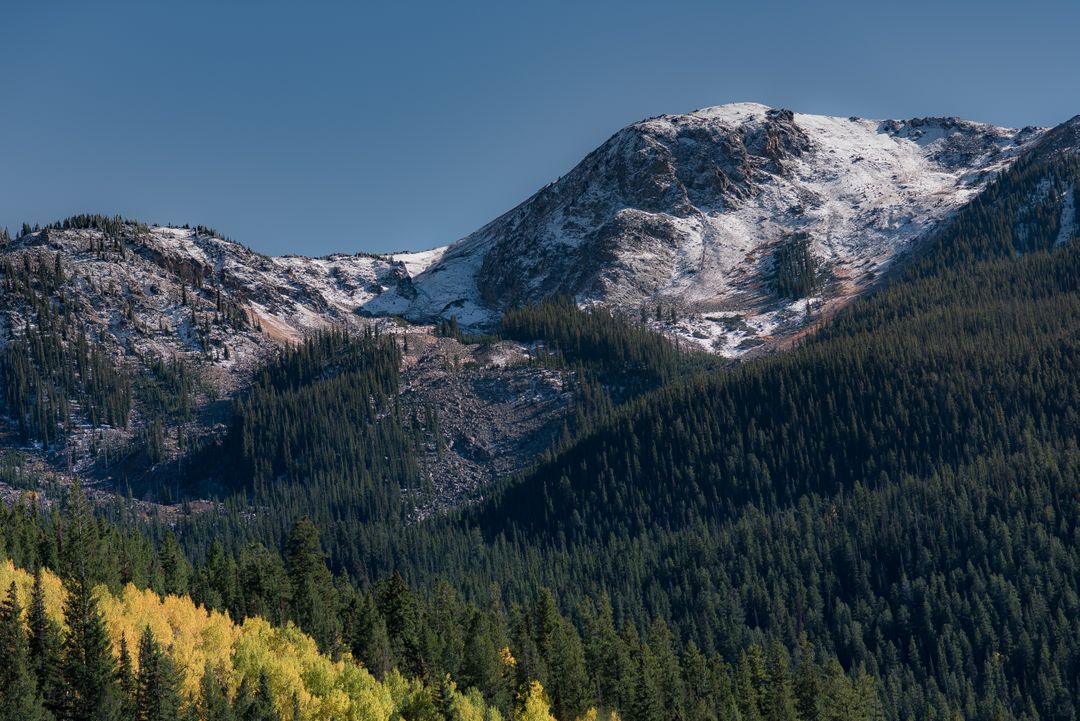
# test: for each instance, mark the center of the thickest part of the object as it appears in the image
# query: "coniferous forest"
(880, 523)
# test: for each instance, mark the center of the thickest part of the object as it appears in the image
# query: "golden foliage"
(507, 657)
(193, 636)
(533, 704)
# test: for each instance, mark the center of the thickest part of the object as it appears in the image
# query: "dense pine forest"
(879, 523)
(131, 630)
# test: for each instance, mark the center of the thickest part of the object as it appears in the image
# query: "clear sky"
(311, 127)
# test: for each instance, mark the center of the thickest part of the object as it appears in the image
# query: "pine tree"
(257, 706)
(157, 684)
(89, 672)
(778, 699)
(398, 608)
(20, 699)
(45, 643)
(670, 676)
(698, 683)
(80, 549)
(367, 636)
(175, 568)
(314, 599)
(570, 681)
(213, 703)
(648, 703)
(125, 677)
(750, 679)
(807, 683)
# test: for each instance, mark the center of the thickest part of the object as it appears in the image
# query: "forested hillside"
(901, 487)
(899, 490)
(117, 637)
(880, 522)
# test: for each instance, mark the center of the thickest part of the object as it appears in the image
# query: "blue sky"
(317, 127)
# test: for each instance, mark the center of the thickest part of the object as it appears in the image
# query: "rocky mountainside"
(678, 218)
(189, 318)
(687, 211)
(732, 227)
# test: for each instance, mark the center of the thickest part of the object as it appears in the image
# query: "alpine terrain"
(750, 415)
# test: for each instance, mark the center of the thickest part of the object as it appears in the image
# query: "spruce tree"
(367, 636)
(157, 684)
(257, 706)
(807, 683)
(175, 568)
(81, 548)
(314, 599)
(45, 644)
(648, 703)
(213, 703)
(570, 681)
(20, 699)
(89, 671)
(398, 607)
(125, 677)
(778, 698)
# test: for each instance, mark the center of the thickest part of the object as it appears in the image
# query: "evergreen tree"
(89, 673)
(44, 646)
(81, 552)
(213, 703)
(157, 684)
(807, 684)
(778, 698)
(20, 699)
(366, 634)
(398, 607)
(569, 680)
(698, 684)
(257, 705)
(175, 568)
(648, 702)
(669, 673)
(314, 604)
(125, 676)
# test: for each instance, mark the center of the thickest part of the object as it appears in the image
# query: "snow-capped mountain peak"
(676, 218)
(684, 211)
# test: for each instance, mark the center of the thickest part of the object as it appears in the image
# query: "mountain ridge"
(684, 212)
(680, 222)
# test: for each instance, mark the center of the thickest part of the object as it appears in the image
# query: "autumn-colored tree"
(532, 704)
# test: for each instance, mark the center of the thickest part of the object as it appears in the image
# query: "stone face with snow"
(678, 211)
(682, 211)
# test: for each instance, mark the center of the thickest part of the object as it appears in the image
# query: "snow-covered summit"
(684, 211)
